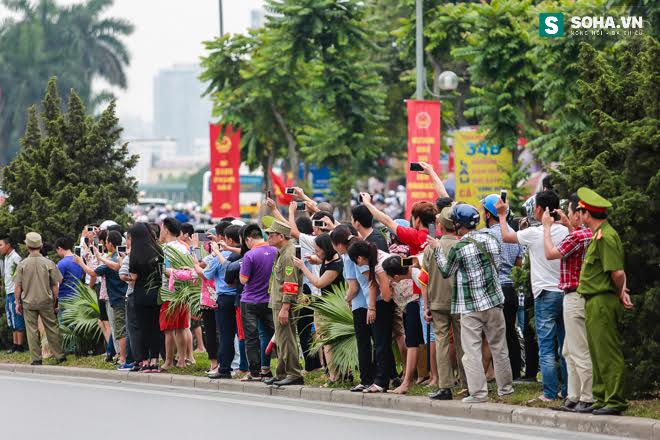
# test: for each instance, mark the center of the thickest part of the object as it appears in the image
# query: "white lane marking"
(359, 417)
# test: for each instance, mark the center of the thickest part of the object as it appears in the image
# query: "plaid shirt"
(477, 287)
(572, 249)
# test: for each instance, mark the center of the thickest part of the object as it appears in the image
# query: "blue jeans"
(548, 308)
(264, 339)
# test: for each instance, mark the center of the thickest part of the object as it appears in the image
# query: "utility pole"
(419, 49)
(222, 31)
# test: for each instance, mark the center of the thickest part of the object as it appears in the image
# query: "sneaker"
(125, 367)
(358, 388)
(145, 369)
(472, 399)
(135, 368)
(441, 394)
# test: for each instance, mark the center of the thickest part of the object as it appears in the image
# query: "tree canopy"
(42, 39)
(70, 171)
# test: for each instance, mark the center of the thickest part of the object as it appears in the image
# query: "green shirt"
(604, 255)
(286, 279)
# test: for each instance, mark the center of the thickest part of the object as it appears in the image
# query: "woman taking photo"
(145, 271)
(331, 274)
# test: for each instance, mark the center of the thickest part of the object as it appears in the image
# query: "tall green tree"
(42, 39)
(70, 171)
(617, 156)
(345, 128)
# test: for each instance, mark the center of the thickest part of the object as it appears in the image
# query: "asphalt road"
(71, 409)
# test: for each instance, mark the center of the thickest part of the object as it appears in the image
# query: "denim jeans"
(225, 319)
(548, 309)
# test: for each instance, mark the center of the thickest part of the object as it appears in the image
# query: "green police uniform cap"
(280, 228)
(592, 201)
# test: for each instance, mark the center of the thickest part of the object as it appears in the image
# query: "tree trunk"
(290, 140)
(266, 165)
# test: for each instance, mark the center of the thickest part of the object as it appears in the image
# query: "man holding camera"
(548, 298)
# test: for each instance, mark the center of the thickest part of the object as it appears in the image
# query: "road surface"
(70, 409)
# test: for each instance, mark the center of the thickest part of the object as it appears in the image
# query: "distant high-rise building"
(257, 18)
(180, 112)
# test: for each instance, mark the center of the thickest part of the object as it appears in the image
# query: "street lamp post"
(222, 31)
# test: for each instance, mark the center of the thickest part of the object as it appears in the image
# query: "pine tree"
(617, 156)
(70, 171)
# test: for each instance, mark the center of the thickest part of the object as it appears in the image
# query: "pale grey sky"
(168, 32)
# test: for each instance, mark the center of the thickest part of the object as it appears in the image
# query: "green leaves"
(71, 42)
(69, 173)
(616, 154)
(334, 328)
(79, 317)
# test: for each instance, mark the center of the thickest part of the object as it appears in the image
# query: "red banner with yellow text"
(423, 146)
(225, 177)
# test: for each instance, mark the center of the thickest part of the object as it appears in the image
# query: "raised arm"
(508, 235)
(437, 182)
(273, 209)
(551, 251)
(383, 218)
(295, 232)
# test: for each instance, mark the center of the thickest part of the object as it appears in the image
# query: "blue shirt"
(508, 255)
(216, 272)
(116, 287)
(71, 275)
(351, 273)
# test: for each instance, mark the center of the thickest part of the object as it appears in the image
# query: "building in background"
(180, 111)
(257, 18)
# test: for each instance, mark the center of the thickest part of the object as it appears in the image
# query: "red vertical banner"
(423, 146)
(225, 177)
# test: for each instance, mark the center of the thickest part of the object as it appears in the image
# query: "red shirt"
(415, 239)
(572, 248)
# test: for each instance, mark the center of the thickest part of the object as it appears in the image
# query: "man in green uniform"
(603, 285)
(37, 282)
(285, 281)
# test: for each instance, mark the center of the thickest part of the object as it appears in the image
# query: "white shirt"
(545, 273)
(9, 268)
(308, 247)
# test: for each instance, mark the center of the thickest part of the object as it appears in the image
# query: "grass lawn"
(523, 395)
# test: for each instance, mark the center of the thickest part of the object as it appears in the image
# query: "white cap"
(238, 222)
(106, 224)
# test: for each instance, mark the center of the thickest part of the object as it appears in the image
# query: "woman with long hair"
(145, 271)
(369, 260)
(331, 274)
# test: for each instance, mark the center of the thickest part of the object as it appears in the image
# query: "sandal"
(374, 389)
(250, 378)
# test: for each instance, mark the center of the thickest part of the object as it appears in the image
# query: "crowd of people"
(436, 282)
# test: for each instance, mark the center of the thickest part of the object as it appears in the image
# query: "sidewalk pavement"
(628, 427)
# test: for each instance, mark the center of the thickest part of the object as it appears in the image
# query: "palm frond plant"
(79, 316)
(185, 293)
(335, 329)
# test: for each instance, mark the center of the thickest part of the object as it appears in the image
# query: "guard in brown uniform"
(37, 282)
(285, 282)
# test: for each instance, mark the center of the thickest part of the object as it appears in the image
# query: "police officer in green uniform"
(285, 282)
(603, 285)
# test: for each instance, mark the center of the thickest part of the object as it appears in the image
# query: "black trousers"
(512, 342)
(382, 334)
(304, 326)
(251, 316)
(225, 320)
(147, 331)
(531, 346)
(210, 333)
(132, 328)
(365, 350)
